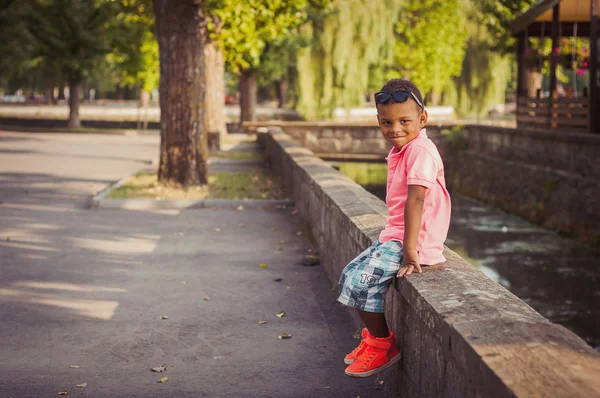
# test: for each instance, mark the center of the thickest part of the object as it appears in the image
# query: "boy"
(415, 230)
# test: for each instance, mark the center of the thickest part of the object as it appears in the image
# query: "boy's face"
(401, 122)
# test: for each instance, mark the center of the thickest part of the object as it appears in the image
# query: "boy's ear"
(422, 119)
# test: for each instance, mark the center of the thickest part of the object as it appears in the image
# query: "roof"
(541, 11)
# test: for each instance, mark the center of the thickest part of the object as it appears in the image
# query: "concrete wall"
(549, 177)
(461, 334)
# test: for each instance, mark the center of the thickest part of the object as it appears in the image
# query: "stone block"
(455, 382)
(433, 365)
(411, 347)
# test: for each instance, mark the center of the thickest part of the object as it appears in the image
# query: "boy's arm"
(413, 211)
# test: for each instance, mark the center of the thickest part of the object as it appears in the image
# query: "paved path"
(88, 288)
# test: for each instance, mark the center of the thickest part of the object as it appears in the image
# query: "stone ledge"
(462, 334)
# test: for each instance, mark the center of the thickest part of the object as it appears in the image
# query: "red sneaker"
(379, 354)
(348, 359)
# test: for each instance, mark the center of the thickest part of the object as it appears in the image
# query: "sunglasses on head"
(399, 96)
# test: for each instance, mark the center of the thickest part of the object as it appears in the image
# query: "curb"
(99, 201)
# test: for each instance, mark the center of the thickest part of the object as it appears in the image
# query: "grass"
(221, 185)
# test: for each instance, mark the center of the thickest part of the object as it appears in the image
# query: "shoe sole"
(348, 361)
(377, 370)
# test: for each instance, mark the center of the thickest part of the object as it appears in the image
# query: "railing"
(562, 113)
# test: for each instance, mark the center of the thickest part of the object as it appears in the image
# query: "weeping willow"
(346, 45)
(484, 78)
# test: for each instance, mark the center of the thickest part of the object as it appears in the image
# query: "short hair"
(402, 85)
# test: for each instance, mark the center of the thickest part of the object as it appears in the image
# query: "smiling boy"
(415, 230)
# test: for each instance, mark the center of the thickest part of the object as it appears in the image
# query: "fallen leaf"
(179, 233)
(277, 279)
(289, 287)
(164, 317)
(327, 387)
(206, 298)
(310, 250)
(284, 336)
(282, 241)
(273, 229)
(240, 208)
(357, 335)
(263, 265)
(380, 382)
(82, 385)
(65, 392)
(218, 229)
(159, 369)
(242, 225)
(184, 282)
(8, 238)
(280, 314)
(74, 366)
(163, 380)
(262, 322)
(299, 233)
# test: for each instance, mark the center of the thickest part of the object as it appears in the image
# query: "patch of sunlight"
(121, 246)
(34, 256)
(121, 261)
(42, 226)
(99, 309)
(23, 206)
(28, 247)
(70, 287)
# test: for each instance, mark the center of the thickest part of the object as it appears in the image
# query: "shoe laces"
(369, 355)
(360, 347)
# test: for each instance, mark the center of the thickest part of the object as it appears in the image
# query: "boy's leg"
(375, 323)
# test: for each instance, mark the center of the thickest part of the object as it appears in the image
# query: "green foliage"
(485, 72)
(70, 35)
(347, 47)
(456, 137)
(497, 17)
(134, 57)
(243, 29)
(77, 40)
(430, 44)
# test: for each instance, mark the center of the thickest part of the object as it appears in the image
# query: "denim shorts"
(366, 279)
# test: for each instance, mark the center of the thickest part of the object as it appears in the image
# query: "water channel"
(557, 276)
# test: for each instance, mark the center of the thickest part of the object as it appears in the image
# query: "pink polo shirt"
(418, 163)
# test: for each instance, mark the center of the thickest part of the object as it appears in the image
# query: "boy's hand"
(411, 262)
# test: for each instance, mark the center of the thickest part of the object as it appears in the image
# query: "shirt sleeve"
(422, 168)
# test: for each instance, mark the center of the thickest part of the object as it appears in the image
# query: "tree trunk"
(248, 90)
(282, 93)
(74, 100)
(181, 33)
(215, 92)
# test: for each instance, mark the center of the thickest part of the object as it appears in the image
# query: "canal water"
(557, 276)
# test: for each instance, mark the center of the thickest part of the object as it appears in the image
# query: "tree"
(430, 44)
(486, 71)
(246, 28)
(181, 32)
(348, 46)
(497, 17)
(70, 37)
